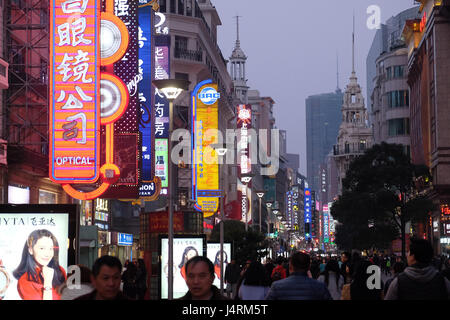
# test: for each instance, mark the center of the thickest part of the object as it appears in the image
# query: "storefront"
(124, 247)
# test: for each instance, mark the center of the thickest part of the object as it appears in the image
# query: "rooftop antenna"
(238, 43)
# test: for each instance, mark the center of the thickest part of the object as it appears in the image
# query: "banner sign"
(74, 87)
(307, 213)
(244, 183)
(145, 89)
(205, 122)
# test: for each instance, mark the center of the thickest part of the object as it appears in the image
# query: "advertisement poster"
(213, 254)
(183, 250)
(33, 241)
(161, 165)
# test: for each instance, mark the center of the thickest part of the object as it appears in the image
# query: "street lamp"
(171, 88)
(221, 151)
(260, 194)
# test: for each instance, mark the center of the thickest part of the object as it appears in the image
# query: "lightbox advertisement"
(33, 255)
(213, 254)
(183, 250)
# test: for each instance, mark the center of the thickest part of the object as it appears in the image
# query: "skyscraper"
(323, 117)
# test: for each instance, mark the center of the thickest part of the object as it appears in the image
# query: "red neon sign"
(423, 22)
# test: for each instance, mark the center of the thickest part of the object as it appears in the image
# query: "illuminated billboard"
(244, 183)
(307, 201)
(326, 225)
(162, 161)
(35, 240)
(205, 172)
(74, 86)
(213, 254)
(183, 249)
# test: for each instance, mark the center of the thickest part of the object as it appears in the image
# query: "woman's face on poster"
(190, 254)
(43, 251)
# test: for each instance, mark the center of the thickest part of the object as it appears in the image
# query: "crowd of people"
(301, 277)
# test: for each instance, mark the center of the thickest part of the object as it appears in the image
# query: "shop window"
(18, 194)
(47, 197)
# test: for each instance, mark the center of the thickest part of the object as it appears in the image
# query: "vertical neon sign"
(307, 213)
(74, 86)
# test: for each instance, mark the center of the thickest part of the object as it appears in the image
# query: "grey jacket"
(420, 276)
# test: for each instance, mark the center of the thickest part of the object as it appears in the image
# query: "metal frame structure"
(26, 32)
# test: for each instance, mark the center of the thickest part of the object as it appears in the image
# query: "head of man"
(299, 262)
(200, 277)
(106, 277)
(420, 251)
(345, 256)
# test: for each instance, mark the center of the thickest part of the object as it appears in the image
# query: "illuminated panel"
(326, 225)
(147, 187)
(307, 213)
(244, 122)
(205, 163)
(74, 91)
(161, 72)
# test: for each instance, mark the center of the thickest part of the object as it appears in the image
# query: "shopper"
(333, 279)
(106, 275)
(129, 278)
(255, 284)
(199, 279)
(279, 272)
(397, 269)
(232, 274)
(420, 280)
(358, 288)
(298, 286)
(141, 279)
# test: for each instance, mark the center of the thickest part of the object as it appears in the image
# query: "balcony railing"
(189, 54)
(350, 149)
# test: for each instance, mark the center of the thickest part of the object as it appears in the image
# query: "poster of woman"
(213, 254)
(34, 254)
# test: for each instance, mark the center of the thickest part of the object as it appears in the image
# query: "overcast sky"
(291, 47)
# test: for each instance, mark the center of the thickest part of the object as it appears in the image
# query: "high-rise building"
(323, 117)
(428, 43)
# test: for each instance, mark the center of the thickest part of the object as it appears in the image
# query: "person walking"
(232, 274)
(129, 278)
(199, 279)
(345, 258)
(105, 278)
(141, 279)
(298, 286)
(255, 283)
(420, 280)
(279, 272)
(358, 289)
(269, 266)
(333, 279)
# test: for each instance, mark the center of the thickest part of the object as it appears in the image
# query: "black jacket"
(91, 296)
(216, 295)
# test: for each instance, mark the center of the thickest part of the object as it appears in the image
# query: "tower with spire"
(237, 72)
(355, 134)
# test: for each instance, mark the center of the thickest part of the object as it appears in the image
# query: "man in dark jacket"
(106, 276)
(232, 274)
(199, 279)
(298, 286)
(420, 280)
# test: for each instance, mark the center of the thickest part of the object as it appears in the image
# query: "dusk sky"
(291, 47)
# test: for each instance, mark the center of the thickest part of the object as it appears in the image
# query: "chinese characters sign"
(74, 88)
(307, 212)
(205, 163)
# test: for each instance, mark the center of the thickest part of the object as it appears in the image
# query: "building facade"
(428, 43)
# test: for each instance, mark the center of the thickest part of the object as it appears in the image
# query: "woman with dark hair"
(255, 283)
(39, 274)
(217, 263)
(358, 289)
(188, 253)
(141, 279)
(332, 279)
(129, 278)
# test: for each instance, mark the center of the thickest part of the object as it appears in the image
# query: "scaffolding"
(26, 47)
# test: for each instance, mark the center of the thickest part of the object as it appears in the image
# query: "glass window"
(162, 6)
(47, 197)
(399, 98)
(398, 127)
(18, 195)
(172, 6)
(189, 8)
(398, 72)
(388, 73)
(181, 43)
(181, 7)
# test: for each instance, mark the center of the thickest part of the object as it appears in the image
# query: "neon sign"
(423, 22)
